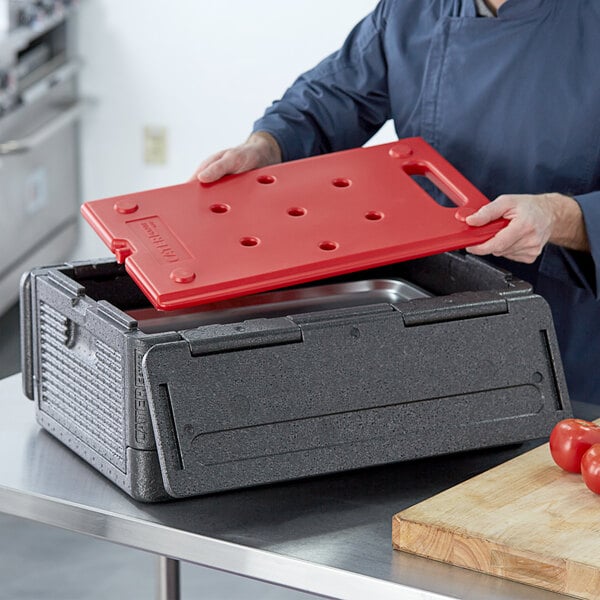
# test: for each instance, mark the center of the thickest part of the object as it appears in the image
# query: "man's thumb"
(486, 214)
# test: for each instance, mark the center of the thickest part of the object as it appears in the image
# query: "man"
(508, 91)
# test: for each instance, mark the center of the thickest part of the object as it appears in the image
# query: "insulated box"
(320, 378)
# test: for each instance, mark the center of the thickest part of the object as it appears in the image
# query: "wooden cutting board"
(525, 520)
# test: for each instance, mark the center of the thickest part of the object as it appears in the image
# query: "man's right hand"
(259, 150)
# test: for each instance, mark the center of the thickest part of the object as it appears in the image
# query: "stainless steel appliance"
(39, 113)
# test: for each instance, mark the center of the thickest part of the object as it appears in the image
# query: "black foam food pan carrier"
(427, 357)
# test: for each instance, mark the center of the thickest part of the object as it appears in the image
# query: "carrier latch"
(238, 336)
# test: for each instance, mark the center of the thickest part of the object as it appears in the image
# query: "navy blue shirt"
(513, 102)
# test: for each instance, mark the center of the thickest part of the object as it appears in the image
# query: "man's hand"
(534, 221)
(260, 150)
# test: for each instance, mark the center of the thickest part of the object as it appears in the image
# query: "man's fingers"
(208, 175)
(500, 243)
(208, 161)
(490, 212)
(205, 164)
(481, 249)
(215, 171)
(525, 253)
(228, 162)
(232, 161)
(259, 150)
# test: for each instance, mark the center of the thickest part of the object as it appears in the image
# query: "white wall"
(204, 69)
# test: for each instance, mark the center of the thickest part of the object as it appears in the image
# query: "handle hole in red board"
(374, 215)
(439, 188)
(428, 185)
(265, 179)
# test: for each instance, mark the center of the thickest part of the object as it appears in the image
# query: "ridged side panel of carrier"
(83, 391)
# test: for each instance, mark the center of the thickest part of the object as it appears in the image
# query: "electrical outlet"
(155, 145)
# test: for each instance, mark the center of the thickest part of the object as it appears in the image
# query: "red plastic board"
(287, 224)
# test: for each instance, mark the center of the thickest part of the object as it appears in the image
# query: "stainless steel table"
(329, 535)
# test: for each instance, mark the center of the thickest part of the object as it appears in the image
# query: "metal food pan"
(279, 303)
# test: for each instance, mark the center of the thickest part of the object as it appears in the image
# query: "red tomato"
(590, 468)
(569, 441)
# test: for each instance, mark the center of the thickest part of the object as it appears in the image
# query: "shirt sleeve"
(340, 103)
(581, 269)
